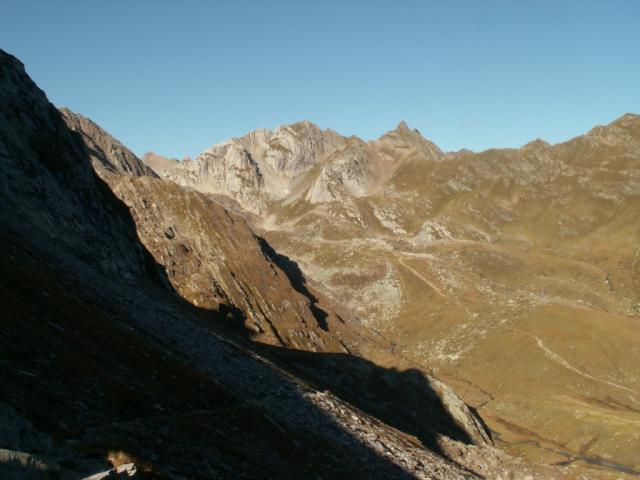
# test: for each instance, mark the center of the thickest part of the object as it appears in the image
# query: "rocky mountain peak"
(622, 130)
(402, 127)
(262, 165)
(299, 160)
(536, 144)
(302, 128)
(628, 119)
(402, 130)
(293, 149)
(159, 164)
(403, 141)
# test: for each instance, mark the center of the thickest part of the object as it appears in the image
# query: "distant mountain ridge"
(295, 160)
(303, 161)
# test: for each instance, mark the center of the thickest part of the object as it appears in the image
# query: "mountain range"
(297, 303)
(465, 259)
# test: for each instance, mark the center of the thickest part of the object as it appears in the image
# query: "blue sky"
(178, 76)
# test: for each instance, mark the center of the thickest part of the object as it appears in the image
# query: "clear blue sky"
(178, 76)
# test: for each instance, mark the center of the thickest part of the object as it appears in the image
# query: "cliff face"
(298, 160)
(249, 168)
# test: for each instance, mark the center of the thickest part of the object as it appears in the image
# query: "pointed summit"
(403, 137)
(302, 124)
(302, 127)
(628, 120)
(402, 127)
(536, 144)
(403, 130)
(628, 117)
(623, 129)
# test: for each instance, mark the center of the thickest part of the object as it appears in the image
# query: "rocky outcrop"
(121, 472)
(346, 173)
(291, 149)
(215, 261)
(259, 166)
(226, 169)
(159, 164)
(624, 130)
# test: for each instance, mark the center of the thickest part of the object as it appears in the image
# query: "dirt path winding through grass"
(562, 362)
(421, 277)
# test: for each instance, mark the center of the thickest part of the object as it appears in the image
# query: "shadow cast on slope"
(297, 280)
(76, 364)
(405, 400)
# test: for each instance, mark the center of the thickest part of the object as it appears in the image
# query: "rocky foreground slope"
(512, 273)
(112, 347)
